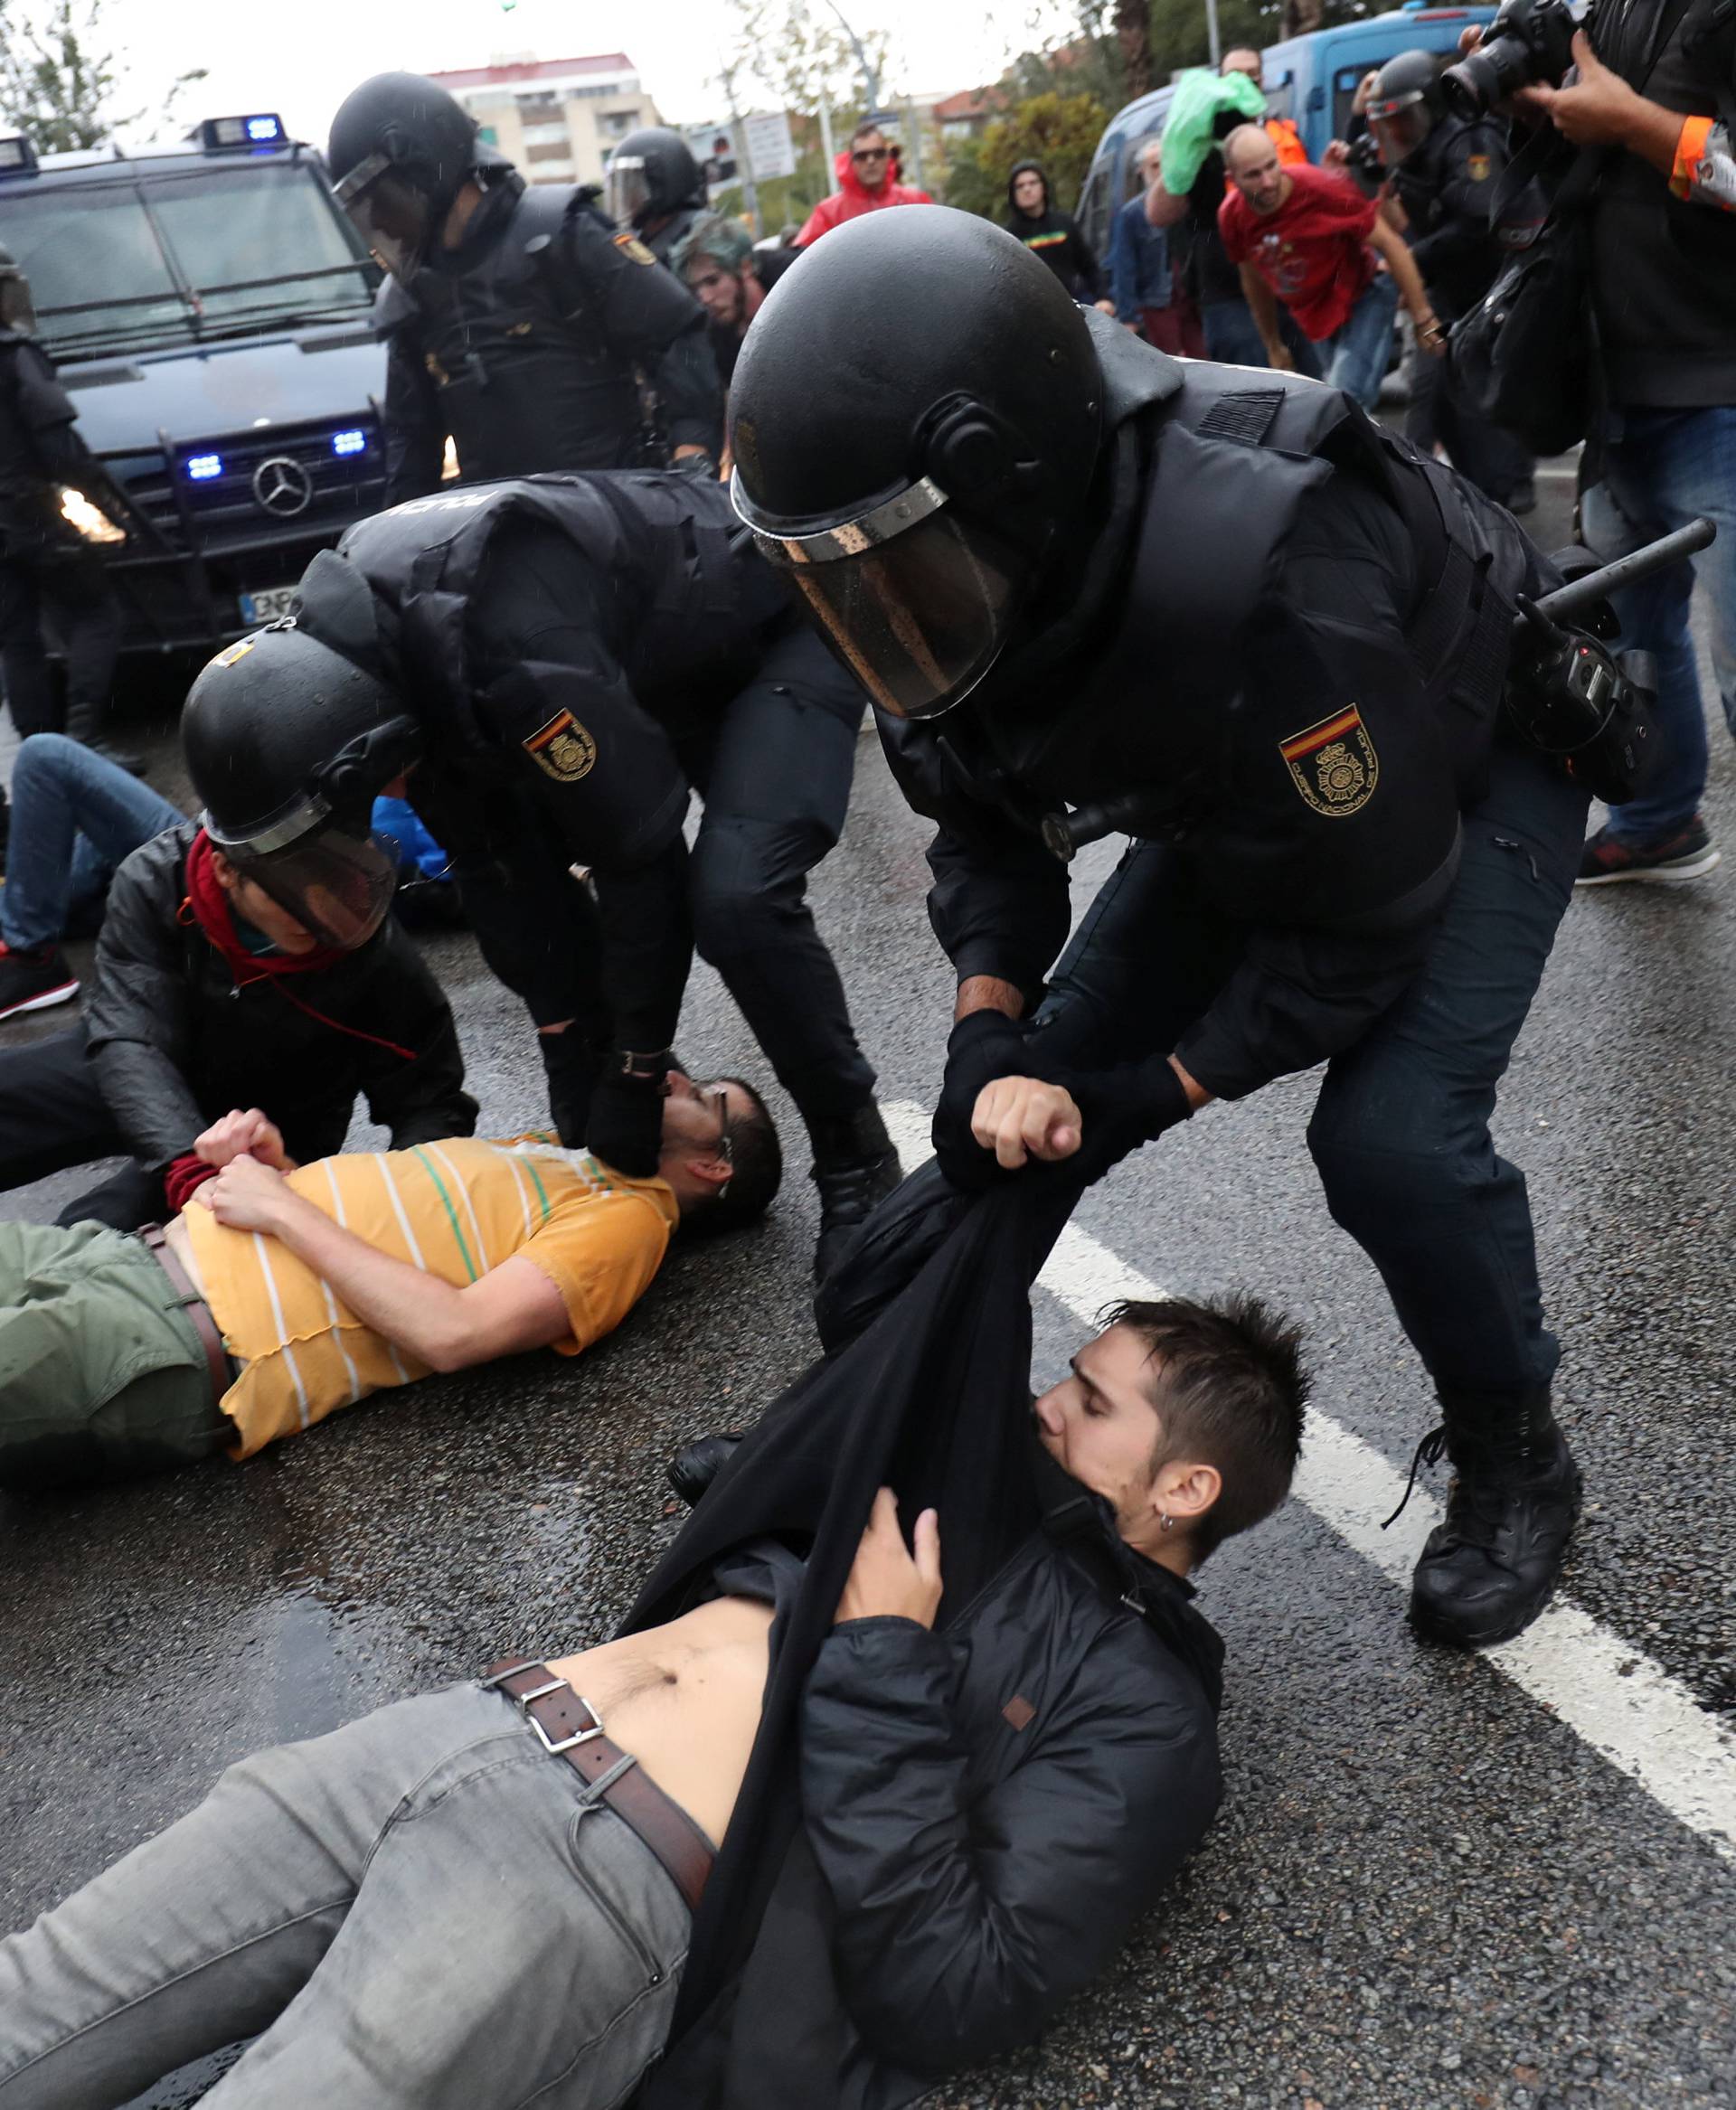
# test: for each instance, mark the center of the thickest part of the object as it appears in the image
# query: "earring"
(1165, 1521)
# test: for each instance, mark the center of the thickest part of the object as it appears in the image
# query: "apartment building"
(556, 119)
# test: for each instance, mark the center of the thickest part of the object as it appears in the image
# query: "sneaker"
(1684, 856)
(33, 981)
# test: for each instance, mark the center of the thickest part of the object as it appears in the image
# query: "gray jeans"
(422, 1912)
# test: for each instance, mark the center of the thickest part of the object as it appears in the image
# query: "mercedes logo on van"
(282, 487)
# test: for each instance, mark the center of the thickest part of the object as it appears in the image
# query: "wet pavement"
(1425, 1891)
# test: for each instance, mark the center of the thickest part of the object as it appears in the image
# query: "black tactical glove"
(572, 1063)
(1121, 1108)
(625, 1127)
(982, 1047)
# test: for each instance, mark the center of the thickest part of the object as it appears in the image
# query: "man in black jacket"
(993, 1787)
(563, 660)
(516, 322)
(207, 995)
(1226, 615)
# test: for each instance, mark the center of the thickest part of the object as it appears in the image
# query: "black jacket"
(176, 1044)
(1662, 268)
(521, 345)
(40, 447)
(1056, 239)
(1447, 188)
(941, 1835)
(1254, 595)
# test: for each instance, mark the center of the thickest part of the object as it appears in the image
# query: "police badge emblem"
(1476, 166)
(563, 749)
(1333, 764)
(630, 245)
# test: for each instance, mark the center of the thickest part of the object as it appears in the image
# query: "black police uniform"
(45, 568)
(1448, 187)
(1293, 648)
(523, 343)
(582, 651)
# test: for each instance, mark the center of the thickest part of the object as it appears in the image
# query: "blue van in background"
(1310, 80)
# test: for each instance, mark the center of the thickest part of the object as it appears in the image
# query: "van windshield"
(179, 258)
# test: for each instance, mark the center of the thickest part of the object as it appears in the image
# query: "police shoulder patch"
(1476, 166)
(631, 246)
(1333, 764)
(563, 749)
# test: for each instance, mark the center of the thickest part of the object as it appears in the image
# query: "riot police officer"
(1268, 641)
(556, 661)
(514, 318)
(1446, 173)
(654, 189)
(45, 565)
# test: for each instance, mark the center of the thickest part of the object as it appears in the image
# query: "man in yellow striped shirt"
(282, 1293)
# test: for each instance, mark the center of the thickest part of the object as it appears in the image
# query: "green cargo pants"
(101, 1373)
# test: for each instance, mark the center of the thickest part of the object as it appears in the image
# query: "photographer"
(1653, 95)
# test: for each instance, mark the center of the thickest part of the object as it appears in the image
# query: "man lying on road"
(280, 1293)
(414, 1915)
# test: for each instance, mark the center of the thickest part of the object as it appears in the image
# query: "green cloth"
(102, 1375)
(1200, 98)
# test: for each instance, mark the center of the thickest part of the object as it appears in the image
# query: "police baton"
(1567, 601)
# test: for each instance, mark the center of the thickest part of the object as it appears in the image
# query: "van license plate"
(268, 604)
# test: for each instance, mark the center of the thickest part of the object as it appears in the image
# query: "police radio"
(1570, 697)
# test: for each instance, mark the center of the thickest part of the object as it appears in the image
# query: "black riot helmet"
(17, 310)
(1405, 105)
(400, 151)
(912, 477)
(650, 175)
(288, 736)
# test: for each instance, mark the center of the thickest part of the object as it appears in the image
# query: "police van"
(1309, 79)
(208, 307)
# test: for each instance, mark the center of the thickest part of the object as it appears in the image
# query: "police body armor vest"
(669, 541)
(1151, 714)
(527, 380)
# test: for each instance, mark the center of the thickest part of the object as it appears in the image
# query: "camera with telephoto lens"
(1529, 41)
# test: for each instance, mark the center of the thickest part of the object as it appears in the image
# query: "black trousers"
(75, 593)
(53, 1118)
(1401, 1130)
(773, 763)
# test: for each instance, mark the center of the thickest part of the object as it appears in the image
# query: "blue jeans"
(75, 815)
(1660, 469)
(1233, 337)
(1356, 355)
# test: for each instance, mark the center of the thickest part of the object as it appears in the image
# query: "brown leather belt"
(217, 1358)
(569, 1728)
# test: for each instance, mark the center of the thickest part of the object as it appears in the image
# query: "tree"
(58, 80)
(1061, 131)
(1133, 38)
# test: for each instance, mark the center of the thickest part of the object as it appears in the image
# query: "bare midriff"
(684, 1699)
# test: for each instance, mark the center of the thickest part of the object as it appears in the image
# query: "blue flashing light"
(202, 467)
(352, 442)
(259, 129)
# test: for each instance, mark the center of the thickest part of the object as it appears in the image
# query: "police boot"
(84, 724)
(574, 1065)
(855, 1166)
(1488, 1570)
(692, 1471)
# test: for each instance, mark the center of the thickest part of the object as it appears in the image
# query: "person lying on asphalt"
(283, 1293)
(426, 1909)
(209, 995)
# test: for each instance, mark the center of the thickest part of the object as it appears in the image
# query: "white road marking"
(1627, 1707)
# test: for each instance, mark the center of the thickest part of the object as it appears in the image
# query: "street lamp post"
(870, 79)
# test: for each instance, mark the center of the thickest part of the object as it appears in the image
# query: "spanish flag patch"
(1333, 764)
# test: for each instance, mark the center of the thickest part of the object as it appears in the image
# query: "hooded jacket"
(853, 198)
(1054, 237)
(176, 1042)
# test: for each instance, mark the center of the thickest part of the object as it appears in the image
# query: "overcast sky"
(302, 57)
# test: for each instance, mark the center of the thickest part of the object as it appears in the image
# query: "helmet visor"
(918, 613)
(630, 190)
(337, 887)
(392, 217)
(1400, 125)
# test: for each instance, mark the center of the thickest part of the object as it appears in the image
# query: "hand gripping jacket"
(532, 346)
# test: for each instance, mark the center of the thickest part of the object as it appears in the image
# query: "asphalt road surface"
(1437, 1883)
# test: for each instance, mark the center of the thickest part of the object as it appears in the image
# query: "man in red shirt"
(1308, 237)
(867, 181)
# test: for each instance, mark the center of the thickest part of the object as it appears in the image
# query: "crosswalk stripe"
(1623, 1704)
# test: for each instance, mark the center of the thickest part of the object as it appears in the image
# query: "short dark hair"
(1231, 1392)
(758, 1162)
(868, 125)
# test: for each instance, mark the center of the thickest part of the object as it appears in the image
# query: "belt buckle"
(566, 1743)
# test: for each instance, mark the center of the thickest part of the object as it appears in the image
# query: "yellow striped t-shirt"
(455, 1208)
